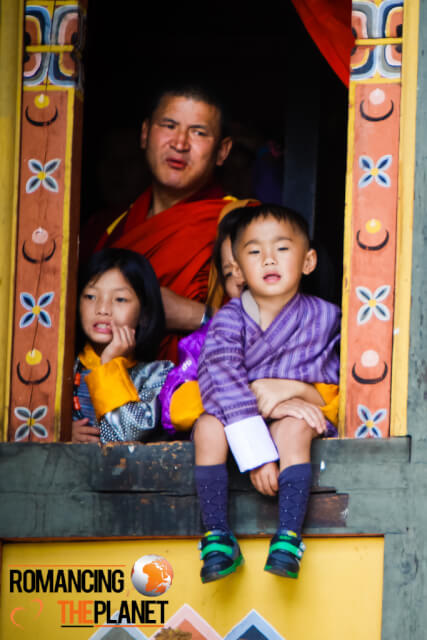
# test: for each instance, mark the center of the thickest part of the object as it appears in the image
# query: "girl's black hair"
(139, 273)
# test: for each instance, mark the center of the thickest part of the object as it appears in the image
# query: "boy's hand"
(269, 392)
(298, 408)
(122, 343)
(265, 478)
(83, 433)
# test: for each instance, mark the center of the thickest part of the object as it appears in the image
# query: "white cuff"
(250, 443)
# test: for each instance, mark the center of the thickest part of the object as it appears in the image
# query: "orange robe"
(178, 242)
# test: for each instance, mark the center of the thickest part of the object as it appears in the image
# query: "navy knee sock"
(212, 489)
(294, 492)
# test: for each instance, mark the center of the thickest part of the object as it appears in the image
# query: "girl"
(116, 382)
(180, 396)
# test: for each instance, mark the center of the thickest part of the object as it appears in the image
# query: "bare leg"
(293, 438)
(210, 443)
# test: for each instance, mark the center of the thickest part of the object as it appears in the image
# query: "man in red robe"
(174, 222)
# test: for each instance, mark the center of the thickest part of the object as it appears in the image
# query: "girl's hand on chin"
(122, 344)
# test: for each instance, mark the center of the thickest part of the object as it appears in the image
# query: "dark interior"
(288, 110)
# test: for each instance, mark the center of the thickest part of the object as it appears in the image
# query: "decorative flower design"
(374, 171)
(369, 428)
(43, 175)
(373, 303)
(30, 422)
(36, 310)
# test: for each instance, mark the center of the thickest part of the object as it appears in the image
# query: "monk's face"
(183, 144)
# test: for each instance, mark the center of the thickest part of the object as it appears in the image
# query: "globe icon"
(152, 575)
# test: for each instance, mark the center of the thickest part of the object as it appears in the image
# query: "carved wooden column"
(11, 41)
(371, 218)
(48, 218)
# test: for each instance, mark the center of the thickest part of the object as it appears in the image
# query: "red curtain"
(329, 24)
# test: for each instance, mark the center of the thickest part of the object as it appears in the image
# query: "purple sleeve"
(188, 355)
(223, 378)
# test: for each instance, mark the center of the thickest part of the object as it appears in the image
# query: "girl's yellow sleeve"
(110, 386)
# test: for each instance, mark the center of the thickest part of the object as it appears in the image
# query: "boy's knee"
(209, 441)
(292, 429)
(293, 437)
(208, 428)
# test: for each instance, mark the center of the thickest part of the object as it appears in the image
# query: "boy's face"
(272, 256)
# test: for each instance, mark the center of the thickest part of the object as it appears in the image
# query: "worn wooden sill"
(64, 490)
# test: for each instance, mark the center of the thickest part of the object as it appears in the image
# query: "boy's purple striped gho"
(300, 344)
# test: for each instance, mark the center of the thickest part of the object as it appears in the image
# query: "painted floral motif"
(36, 310)
(43, 175)
(374, 171)
(369, 427)
(30, 422)
(373, 304)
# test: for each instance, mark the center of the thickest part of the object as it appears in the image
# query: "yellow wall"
(338, 594)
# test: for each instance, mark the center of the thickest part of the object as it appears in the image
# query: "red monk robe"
(178, 242)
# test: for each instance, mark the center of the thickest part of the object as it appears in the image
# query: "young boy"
(272, 331)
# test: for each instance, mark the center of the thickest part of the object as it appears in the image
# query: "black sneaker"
(285, 553)
(220, 554)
